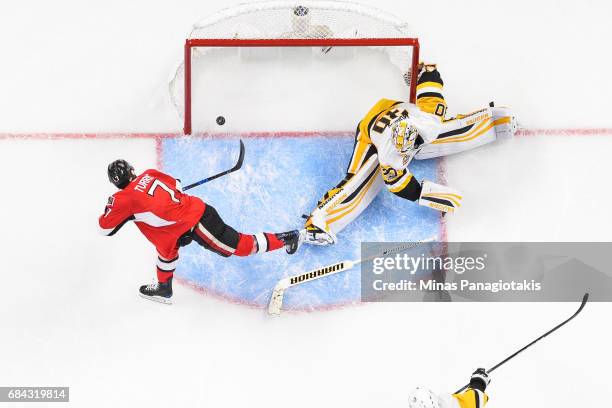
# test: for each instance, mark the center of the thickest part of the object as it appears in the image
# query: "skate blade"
(158, 299)
(319, 242)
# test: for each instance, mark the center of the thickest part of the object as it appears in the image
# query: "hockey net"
(323, 35)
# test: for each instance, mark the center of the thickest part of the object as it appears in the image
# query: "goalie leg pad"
(360, 192)
(440, 197)
(467, 132)
(344, 203)
(505, 123)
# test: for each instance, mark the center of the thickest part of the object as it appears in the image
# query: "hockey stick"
(276, 301)
(584, 302)
(237, 166)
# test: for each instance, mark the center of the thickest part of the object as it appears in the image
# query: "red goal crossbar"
(295, 42)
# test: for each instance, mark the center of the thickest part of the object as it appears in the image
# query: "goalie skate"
(316, 236)
(292, 239)
(317, 232)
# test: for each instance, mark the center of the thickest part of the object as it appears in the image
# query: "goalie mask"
(405, 135)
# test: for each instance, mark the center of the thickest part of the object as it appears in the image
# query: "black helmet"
(120, 173)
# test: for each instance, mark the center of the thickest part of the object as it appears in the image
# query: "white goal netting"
(288, 20)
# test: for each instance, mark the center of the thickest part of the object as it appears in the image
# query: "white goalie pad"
(471, 131)
(504, 129)
(340, 209)
(440, 197)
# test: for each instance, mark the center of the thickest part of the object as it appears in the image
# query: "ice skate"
(158, 292)
(292, 239)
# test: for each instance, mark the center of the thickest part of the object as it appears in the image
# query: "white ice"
(69, 314)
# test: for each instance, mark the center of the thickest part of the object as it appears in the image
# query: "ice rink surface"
(97, 72)
(270, 193)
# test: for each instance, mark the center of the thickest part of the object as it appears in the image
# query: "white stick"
(276, 301)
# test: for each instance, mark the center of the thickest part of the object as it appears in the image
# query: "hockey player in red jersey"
(170, 219)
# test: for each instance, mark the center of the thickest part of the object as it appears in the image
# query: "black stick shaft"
(585, 298)
(237, 166)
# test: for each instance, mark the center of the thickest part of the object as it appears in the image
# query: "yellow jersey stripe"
(380, 108)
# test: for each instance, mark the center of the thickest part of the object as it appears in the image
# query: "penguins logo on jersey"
(404, 135)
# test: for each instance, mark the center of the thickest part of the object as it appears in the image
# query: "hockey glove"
(479, 380)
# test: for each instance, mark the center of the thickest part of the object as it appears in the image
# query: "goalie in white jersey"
(390, 135)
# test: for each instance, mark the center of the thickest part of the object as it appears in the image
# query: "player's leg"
(161, 291)
(214, 234)
(343, 203)
(467, 132)
(166, 267)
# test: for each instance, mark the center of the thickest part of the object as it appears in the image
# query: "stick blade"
(585, 299)
(240, 156)
(276, 300)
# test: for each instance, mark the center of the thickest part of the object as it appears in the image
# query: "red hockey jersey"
(158, 207)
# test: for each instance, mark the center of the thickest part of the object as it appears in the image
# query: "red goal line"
(170, 135)
(566, 132)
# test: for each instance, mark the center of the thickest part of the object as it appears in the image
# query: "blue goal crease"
(281, 179)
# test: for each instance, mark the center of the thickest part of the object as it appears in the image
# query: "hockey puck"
(220, 120)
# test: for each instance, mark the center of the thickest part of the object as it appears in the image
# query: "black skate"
(158, 292)
(292, 240)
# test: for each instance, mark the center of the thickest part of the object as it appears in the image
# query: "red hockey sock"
(273, 242)
(263, 242)
(163, 276)
(245, 245)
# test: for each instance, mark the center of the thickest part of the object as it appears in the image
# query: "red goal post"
(292, 42)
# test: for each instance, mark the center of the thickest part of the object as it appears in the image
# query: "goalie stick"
(237, 166)
(585, 298)
(276, 301)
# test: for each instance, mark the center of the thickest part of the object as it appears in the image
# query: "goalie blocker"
(439, 197)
